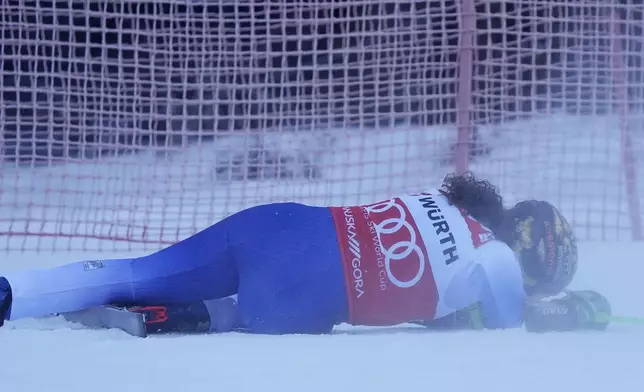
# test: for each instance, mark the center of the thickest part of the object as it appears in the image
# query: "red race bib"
(388, 275)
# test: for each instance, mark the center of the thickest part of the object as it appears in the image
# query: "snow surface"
(53, 355)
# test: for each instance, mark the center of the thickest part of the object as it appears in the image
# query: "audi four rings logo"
(400, 251)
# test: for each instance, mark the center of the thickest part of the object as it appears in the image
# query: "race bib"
(388, 275)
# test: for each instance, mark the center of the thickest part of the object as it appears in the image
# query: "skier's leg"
(197, 268)
(215, 315)
(291, 278)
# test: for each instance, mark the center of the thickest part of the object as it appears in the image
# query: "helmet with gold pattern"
(545, 246)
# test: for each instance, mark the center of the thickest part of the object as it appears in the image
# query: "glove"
(577, 310)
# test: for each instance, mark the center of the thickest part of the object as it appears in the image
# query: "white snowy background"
(573, 161)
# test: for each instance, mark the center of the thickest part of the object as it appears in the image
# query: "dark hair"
(479, 198)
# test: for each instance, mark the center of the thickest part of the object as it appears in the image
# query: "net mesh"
(131, 125)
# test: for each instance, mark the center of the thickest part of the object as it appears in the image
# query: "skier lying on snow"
(450, 258)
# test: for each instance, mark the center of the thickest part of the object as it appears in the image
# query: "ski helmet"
(545, 246)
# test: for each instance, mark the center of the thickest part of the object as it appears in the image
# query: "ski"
(102, 317)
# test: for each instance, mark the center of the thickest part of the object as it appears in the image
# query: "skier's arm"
(500, 292)
(505, 305)
(576, 310)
